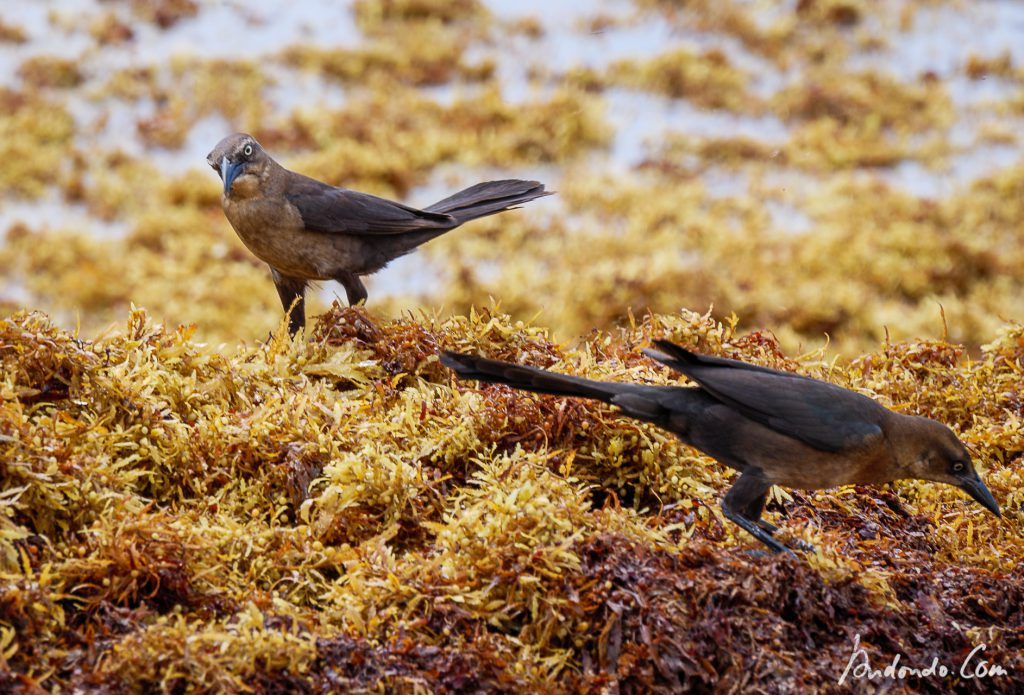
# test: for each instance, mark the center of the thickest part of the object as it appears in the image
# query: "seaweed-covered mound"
(339, 514)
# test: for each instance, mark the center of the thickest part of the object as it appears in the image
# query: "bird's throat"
(244, 187)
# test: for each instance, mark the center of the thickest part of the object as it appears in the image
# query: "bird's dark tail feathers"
(488, 198)
(652, 403)
(530, 378)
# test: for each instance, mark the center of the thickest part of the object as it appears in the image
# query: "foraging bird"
(308, 230)
(774, 427)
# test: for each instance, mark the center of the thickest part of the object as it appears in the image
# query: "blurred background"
(830, 170)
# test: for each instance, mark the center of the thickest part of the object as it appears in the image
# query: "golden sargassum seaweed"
(339, 512)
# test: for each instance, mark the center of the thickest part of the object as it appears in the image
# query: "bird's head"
(933, 452)
(240, 162)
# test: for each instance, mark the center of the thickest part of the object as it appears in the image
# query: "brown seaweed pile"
(339, 513)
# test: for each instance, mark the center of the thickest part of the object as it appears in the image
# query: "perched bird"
(774, 427)
(307, 230)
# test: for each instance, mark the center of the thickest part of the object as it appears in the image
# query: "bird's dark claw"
(803, 546)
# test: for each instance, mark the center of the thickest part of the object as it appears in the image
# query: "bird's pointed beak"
(975, 488)
(228, 173)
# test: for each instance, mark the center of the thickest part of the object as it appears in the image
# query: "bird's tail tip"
(455, 360)
(669, 352)
(655, 355)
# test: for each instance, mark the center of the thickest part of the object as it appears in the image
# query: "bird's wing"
(822, 415)
(340, 211)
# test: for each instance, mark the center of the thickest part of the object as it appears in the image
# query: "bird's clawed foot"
(803, 546)
(756, 530)
(796, 543)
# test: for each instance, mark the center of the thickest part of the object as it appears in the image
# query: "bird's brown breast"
(823, 470)
(741, 443)
(788, 462)
(272, 229)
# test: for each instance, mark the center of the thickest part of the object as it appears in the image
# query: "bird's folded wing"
(822, 415)
(340, 211)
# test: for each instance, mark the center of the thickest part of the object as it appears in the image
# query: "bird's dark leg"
(748, 494)
(753, 512)
(292, 292)
(354, 288)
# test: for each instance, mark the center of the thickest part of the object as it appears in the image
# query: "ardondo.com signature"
(973, 666)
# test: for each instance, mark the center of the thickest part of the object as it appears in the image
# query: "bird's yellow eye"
(958, 467)
(247, 150)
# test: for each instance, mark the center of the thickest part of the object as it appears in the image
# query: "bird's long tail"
(638, 400)
(527, 378)
(488, 198)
